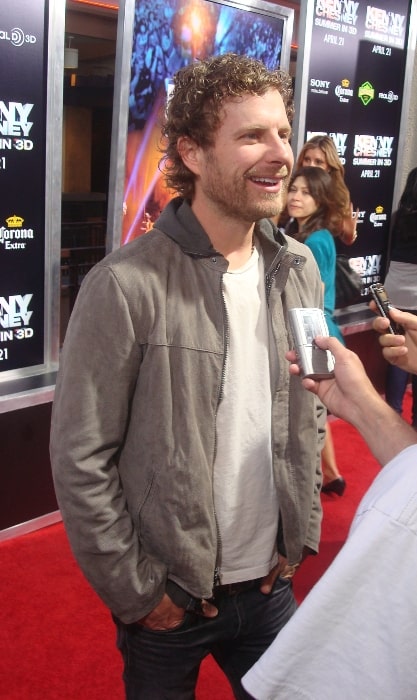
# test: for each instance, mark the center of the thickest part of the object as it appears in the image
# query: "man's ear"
(190, 153)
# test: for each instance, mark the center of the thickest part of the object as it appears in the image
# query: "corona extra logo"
(366, 93)
(14, 221)
(378, 218)
(345, 83)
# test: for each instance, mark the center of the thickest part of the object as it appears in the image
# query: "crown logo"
(14, 221)
(345, 82)
(379, 209)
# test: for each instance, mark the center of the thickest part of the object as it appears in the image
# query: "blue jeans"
(164, 665)
(395, 386)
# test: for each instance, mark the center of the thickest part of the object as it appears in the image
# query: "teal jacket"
(323, 247)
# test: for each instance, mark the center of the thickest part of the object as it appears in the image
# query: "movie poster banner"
(23, 27)
(167, 36)
(355, 91)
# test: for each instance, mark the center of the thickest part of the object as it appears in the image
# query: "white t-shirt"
(245, 495)
(355, 635)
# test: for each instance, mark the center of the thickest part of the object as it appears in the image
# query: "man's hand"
(351, 396)
(399, 350)
(350, 387)
(282, 569)
(168, 616)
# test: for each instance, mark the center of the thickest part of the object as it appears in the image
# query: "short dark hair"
(403, 223)
(195, 107)
(408, 200)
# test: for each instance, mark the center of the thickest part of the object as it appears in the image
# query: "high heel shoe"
(336, 486)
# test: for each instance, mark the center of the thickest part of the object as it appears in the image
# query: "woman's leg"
(333, 482)
(328, 458)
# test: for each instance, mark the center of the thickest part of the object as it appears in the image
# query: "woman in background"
(320, 152)
(310, 204)
(401, 285)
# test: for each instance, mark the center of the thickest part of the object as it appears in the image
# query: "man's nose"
(280, 150)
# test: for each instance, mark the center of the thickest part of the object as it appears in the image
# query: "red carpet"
(56, 637)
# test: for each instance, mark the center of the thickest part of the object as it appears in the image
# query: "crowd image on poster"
(166, 36)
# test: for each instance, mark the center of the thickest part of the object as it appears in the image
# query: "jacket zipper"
(216, 577)
(272, 273)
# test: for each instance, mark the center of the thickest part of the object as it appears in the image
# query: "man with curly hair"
(186, 459)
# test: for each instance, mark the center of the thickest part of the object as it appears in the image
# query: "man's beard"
(231, 196)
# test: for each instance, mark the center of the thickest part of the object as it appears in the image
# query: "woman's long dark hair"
(341, 196)
(319, 184)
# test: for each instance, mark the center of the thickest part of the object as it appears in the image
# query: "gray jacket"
(134, 417)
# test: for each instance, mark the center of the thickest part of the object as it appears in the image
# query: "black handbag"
(348, 283)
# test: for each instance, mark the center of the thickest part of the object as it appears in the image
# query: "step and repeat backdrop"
(354, 93)
(23, 35)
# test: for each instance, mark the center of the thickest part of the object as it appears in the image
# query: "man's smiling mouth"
(266, 180)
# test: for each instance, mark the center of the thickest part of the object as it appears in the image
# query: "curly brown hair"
(195, 107)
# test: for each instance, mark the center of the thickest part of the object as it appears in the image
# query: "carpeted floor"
(56, 637)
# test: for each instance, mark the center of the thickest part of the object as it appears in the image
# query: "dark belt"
(235, 588)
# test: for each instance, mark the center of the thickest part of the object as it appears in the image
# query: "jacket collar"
(179, 223)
